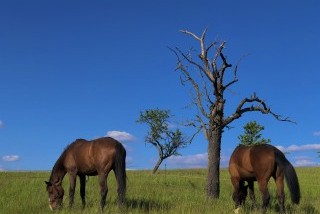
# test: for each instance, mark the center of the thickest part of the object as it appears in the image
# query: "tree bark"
(156, 167)
(213, 176)
(214, 146)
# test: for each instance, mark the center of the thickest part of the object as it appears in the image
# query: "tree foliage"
(252, 134)
(160, 135)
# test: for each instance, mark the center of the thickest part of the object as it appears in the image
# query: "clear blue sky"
(85, 69)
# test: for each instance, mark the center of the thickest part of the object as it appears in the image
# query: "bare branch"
(224, 66)
(224, 60)
(202, 126)
(235, 78)
(216, 72)
(219, 50)
(230, 83)
(205, 88)
(191, 34)
(191, 62)
(203, 55)
(204, 52)
(210, 46)
(257, 106)
(199, 124)
(197, 132)
(199, 102)
(236, 68)
(196, 88)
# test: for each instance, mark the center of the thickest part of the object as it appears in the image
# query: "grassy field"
(173, 191)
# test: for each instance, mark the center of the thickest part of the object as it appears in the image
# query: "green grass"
(173, 191)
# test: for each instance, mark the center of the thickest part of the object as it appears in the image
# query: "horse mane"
(58, 166)
(79, 139)
(254, 145)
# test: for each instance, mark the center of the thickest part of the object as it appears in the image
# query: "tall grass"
(173, 191)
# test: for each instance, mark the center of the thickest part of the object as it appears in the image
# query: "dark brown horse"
(260, 163)
(81, 158)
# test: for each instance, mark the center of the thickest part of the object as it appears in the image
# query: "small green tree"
(160, 135)
(252, 135)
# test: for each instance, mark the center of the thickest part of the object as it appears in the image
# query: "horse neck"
(58, 171)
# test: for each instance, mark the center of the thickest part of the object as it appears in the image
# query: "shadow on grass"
(192, 185)
(146, 205)
(308, 208)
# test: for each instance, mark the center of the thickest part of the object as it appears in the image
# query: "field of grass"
(171, 191)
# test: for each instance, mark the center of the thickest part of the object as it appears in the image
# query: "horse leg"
(236, 187)
(72, 179)
(83, 190)
(263, 187)
(243, 191)
(280, 191)
(103, 189)
(251, 193)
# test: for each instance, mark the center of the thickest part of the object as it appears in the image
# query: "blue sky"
(80, 69)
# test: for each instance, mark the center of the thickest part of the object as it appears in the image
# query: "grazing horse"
(260, 163)
(82, 158)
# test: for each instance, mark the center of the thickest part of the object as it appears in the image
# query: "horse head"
(56, 193)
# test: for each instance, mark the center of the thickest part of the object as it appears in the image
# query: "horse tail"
(120, 171)
(290, 175)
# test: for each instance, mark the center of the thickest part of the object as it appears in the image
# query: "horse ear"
(48, 183)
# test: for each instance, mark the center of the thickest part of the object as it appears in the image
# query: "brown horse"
(260, 163)
(82, 157)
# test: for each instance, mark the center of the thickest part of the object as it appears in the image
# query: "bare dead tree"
(206, 74)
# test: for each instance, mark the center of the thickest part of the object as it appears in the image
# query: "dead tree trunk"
(213, 176)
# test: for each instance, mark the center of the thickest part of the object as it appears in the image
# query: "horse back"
(252, 162)
(91, 157)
